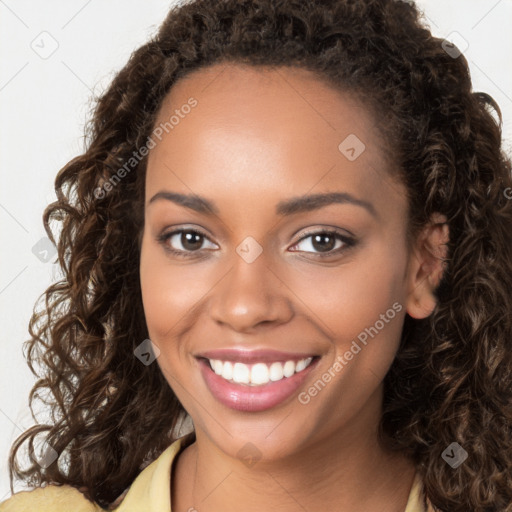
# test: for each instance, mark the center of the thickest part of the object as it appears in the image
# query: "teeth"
(257, 374)
(300, 365)
(260, 374)
(241, 373)
(276, 372)
(227, 370)
(216, 366)
(289, 368)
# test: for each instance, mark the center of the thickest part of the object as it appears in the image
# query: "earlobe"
(426, 267)
(421, 304)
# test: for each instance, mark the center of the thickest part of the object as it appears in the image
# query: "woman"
(291, 226)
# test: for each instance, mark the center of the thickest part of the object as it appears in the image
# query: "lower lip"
(252, 398)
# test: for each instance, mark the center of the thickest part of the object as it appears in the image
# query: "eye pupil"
(319, 242)
(191, 240)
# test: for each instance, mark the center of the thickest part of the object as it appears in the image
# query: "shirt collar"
(151, 490)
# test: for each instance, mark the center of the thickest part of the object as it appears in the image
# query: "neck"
(343, 471)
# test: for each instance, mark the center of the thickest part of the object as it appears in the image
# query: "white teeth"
(289, 368)
(241, 373)
(300, 365)
(276, 372)
(227, 370)
(257, 374)
(217, 366)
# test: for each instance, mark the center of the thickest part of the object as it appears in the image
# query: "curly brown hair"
(451, 380)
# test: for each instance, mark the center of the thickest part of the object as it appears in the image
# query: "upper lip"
(253, 356)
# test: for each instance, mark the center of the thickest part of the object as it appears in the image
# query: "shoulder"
(149, 491)
(52, 498)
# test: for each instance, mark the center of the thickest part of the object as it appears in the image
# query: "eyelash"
(347, 241)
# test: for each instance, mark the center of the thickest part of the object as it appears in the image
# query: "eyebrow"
(289, 207)
(314, 201)
(191, 201)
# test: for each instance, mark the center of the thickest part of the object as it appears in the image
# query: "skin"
(255, 138)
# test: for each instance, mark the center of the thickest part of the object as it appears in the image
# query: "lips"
(253, 356)
(254, 380)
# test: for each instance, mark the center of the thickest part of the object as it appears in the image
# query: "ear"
(426, 266)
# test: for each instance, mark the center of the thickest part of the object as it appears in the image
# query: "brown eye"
(183, 241)
(324, 243)
(191, 240)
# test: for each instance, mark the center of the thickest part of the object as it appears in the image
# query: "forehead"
(252, 127)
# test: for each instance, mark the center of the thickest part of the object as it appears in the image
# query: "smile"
(257, 374)
(254, 381)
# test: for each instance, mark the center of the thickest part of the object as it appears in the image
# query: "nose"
(251, 295)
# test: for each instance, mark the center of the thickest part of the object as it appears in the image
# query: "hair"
(451, 380)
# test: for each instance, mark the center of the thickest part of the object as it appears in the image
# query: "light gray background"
(45, 101)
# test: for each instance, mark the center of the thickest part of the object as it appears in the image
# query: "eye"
(324, 243)
(182, 242)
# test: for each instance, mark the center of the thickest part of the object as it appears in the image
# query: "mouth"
(254, 381)
(257, 374)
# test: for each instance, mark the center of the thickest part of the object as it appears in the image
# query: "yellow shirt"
(149, 492)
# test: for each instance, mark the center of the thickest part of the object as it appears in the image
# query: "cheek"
(347, 303)
(354, 302)
(170, 291)
(353, 294)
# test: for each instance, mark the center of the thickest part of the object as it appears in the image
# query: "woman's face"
(292, 247)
